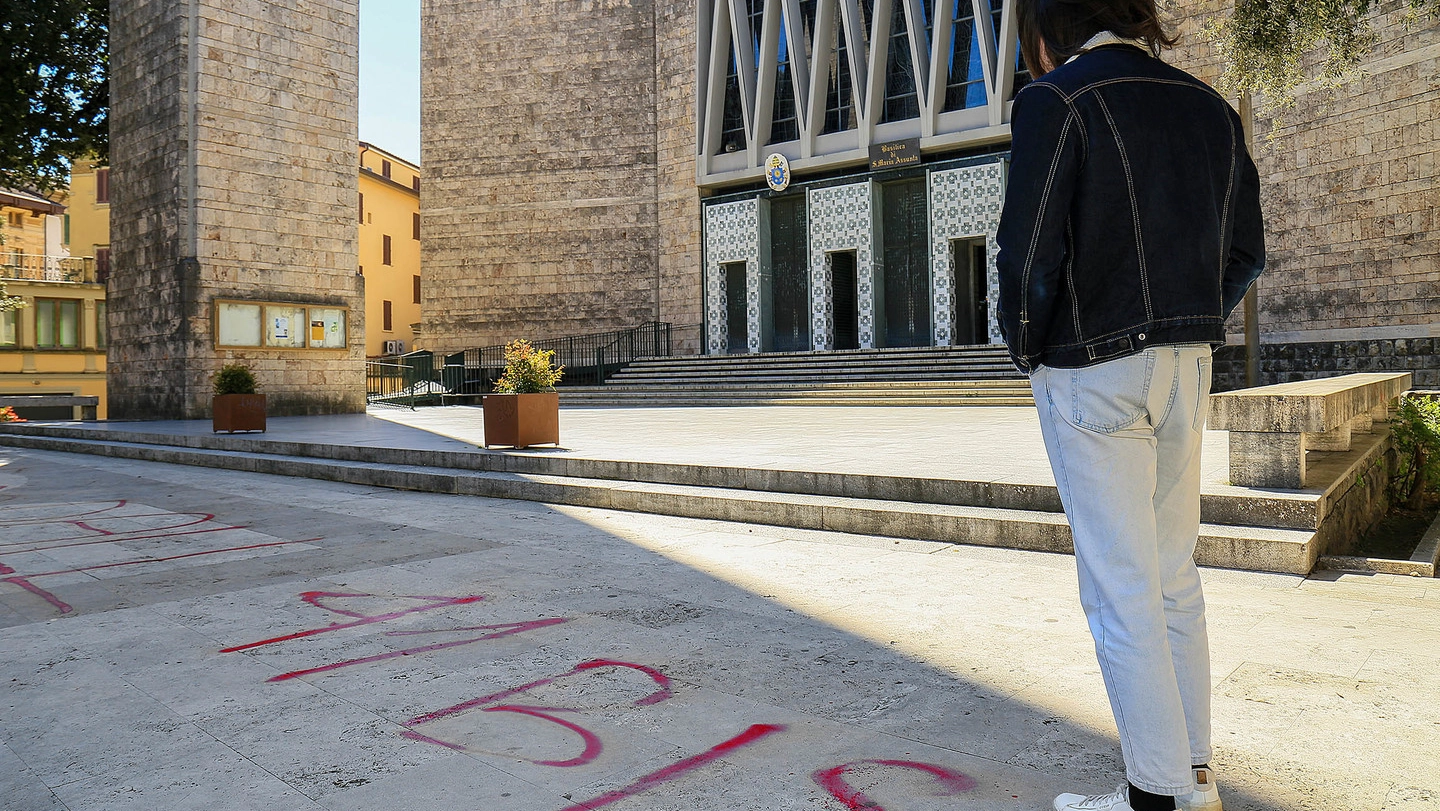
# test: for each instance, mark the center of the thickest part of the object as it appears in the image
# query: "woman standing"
(1131, 229)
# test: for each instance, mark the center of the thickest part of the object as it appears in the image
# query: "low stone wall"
(1283, 363)
(1360, 507)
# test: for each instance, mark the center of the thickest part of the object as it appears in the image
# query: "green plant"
(528, 370)
(234, 378)
(1416, 434)
(8, 302)
(7, 414)
(1264, 43)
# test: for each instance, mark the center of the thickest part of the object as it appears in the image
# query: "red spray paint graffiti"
(679, 768)
(833, 780)
(92, 524)
(660, 679)
(501, 630)
(60, 605)
(319, 599)
(316, 598)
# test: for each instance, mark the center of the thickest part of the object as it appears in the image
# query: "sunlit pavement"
(182, 637)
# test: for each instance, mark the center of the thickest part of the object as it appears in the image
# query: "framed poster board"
(280, 325)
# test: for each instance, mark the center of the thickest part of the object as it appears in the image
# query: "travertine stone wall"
(1351, 191)
(233, 160)
(541, 130)
(681, 290)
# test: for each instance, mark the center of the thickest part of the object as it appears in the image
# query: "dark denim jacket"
(1132, 215)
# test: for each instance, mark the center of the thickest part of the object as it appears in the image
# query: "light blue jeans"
(1124, 442)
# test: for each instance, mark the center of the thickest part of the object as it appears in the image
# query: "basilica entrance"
(906, 270)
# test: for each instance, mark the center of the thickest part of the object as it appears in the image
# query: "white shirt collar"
(1108, 38)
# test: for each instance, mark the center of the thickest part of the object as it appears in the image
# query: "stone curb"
(1253, 548)
(1279, 510)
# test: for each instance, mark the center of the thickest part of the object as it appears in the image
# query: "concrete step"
(1286, 510)
(820, 359)
(1246, 547)
(838, 386)
(667, 401)
(803, 375)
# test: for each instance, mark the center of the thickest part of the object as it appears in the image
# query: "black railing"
(589, 360)
(403, 381)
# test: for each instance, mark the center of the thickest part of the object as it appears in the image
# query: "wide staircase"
(942, 376)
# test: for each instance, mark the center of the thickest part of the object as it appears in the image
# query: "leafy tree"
(54, 88)
(1265, 41)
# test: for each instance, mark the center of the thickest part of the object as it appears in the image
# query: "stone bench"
(1271, 427)
(84, 405)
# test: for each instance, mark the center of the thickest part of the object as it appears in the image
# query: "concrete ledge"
(1237, 506)
(1264, 549)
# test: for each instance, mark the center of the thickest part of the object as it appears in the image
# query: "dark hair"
(1065, 26)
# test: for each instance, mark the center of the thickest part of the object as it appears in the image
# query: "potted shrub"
(237, 406)
(524, 409)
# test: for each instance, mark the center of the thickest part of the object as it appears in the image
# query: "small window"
(416, 280)
(415, 224)
(9, 333)
(385, 168)
(362, 207)
(385, 251)
(66, 237)
(102, 264)
(102, 185)
(415, 183)
(17, 219)
(57, 323)
(387, 316)
(101, 327)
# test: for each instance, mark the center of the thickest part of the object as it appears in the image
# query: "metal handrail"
(35, 267)
(588, 359)
(401, 385)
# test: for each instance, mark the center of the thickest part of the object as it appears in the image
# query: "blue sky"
(390, 76)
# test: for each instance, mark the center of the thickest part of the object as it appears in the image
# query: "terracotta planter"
(522, 420)
(238, 412)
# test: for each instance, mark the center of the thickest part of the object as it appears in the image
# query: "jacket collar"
(1108, 38)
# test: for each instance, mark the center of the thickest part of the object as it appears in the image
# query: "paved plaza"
(179, 637)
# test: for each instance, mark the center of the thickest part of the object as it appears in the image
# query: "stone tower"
(234, 177)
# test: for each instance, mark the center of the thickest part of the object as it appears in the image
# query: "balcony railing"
(34, 267)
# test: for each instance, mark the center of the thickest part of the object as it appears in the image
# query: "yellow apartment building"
(390, 250)
(87, 214)
(55, 344)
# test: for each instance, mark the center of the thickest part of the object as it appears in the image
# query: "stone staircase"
(1272, 531)
(941, 376)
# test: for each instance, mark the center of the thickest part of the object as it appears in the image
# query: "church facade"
(802, 175)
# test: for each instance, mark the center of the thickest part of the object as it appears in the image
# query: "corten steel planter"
(522, 420)
(238, 412)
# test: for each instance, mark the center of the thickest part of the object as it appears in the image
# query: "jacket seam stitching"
(1070, 281)
(1121, 80)
(1225, 224)
(1040, 215)
(1134, 209)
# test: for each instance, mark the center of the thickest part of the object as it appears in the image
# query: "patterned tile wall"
(841, 218)
(963, 203)
(732, 234)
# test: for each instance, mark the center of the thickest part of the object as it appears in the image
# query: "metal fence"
(589, 360)
(34, 267)
(403, 381)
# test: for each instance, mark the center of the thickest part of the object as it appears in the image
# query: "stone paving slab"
(625, 661)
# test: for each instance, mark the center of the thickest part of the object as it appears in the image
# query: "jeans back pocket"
(1111, 396)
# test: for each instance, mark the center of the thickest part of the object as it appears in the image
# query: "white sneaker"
(1205, 796)
(1119, 800)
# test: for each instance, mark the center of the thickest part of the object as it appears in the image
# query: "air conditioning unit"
(394, 347)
